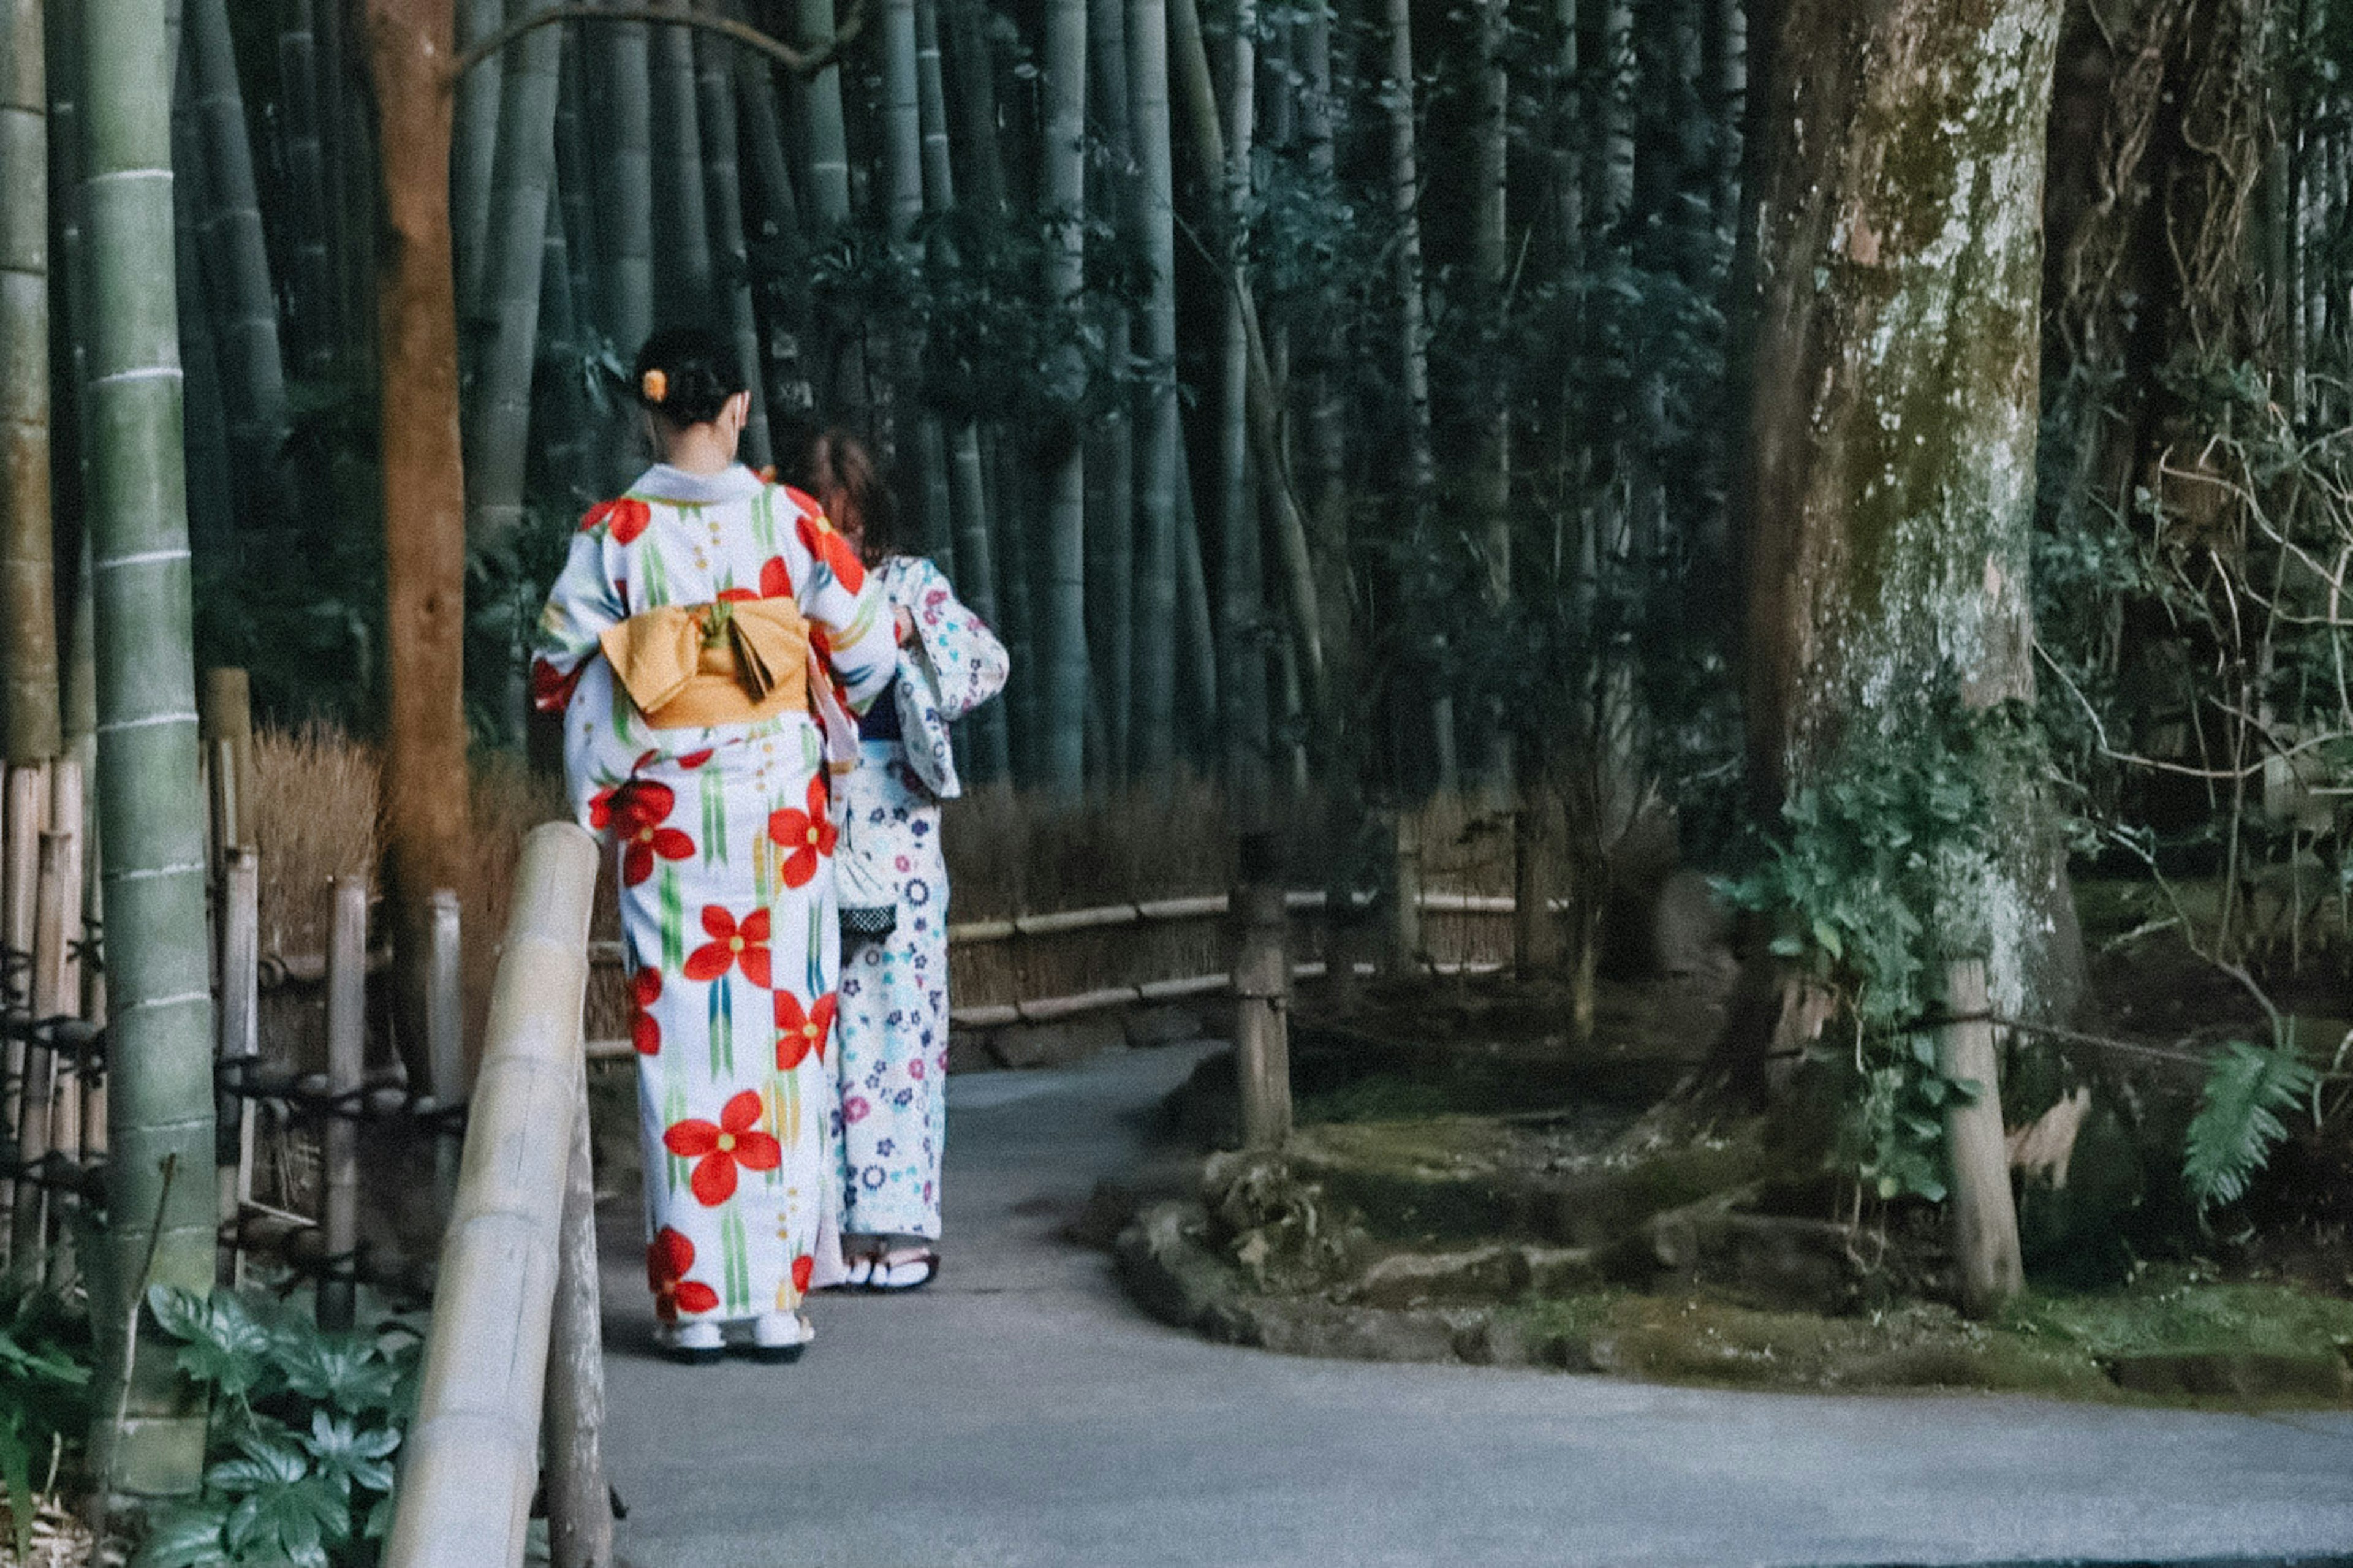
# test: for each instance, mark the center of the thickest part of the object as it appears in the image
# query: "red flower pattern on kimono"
(775, 582)
(798, 1033)
(803, 1268)
(641, 810)
(808, 835)
(668, 1258)
(826, 544)
(718, 1149)
(731, 945)
(645, 990)
(628, 517)
(693, 760)
(551, 692)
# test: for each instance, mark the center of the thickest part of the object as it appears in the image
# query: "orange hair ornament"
(655, 385)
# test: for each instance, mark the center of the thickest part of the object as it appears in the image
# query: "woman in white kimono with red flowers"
(893, 1023)
(708, 642)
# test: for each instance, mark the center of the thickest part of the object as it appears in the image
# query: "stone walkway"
(1020, 1411)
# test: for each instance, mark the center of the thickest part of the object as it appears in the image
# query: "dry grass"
(315, 801)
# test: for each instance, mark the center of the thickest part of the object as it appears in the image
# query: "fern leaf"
(2237, 1124)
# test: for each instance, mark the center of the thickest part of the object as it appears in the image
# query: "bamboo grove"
(1345, 400)
(1228, 359)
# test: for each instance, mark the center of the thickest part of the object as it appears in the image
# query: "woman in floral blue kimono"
(703, 641)
(894, 1021)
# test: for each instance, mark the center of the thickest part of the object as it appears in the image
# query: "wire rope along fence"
(1018, 933)
(472, 1456)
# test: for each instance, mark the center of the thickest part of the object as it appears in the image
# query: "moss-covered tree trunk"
(1889, 476)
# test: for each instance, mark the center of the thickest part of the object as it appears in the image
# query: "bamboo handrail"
(471, 1459)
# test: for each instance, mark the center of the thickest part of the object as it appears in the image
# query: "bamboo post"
(59, 976)
(346, 1053)
(27, 809)
(445, 1044)
(1405, 956)
(579, 1505)
(225, 703)
(28, 1245)
(1984, 1214)
(241, 1040)
(472, 1454)
(1261, 982)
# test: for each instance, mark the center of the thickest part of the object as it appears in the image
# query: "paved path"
(1021, 1413)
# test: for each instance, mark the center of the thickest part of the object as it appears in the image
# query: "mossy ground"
(2058, 1345)
(1433, 1147)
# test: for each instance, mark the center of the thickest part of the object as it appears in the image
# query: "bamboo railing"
(518, 1259)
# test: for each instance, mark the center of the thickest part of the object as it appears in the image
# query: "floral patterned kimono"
(727, 900)
(893, 1024)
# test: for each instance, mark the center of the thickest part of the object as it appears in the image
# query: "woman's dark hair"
(838, 469)
(685, 375)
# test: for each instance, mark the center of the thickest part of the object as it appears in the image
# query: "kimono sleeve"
(846, 604)
(969, 664)
(583, 602)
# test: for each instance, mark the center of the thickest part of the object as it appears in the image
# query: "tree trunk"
(1889, 477)
(426, 838)
(28, 625)
(212, 503)
(149, 1435)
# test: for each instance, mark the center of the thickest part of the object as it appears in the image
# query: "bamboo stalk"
(346, 1060)
(445, 1017)
(149, 1433)
(241, 1039)
(1261, 983)
(62, 980)
(1984, 1214)
(28, 1247)
(579, 1505)
(29, 725)
(472, 1453)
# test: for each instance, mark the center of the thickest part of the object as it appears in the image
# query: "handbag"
(862, 890)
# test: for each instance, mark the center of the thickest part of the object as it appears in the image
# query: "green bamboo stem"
(976, 104)
(574, 187)
(682, 210)
(246, 306)
(211, 490)
(1062, 623)
(150, 1430)
(497, 424)
(939, 168)
(1242, 706)
(472, 179)
(28, 629)
(724, 184)
(1154, 748)
(625, 222)
(312, 294)
(826, 188)
(1110, 449)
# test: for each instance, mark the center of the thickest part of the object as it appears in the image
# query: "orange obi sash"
(737, 662)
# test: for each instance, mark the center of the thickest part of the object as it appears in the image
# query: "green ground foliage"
(305, 1425)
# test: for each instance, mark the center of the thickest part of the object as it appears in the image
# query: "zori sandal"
(779, 1337)
(695, 1344)
(909, 1270)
